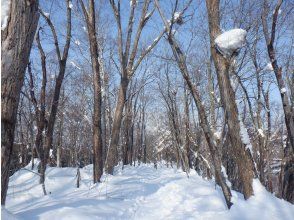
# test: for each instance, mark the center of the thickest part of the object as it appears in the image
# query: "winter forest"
(147, 109)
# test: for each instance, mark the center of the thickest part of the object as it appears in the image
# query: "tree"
(16, 40)
(129, 62)
(97, 129)
(181, 61)
(270, 37)
(222, 65)
(62, 59)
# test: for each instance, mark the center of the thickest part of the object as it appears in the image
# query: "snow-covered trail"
(134, 193)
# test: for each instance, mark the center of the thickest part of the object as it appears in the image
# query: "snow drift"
(134, 193)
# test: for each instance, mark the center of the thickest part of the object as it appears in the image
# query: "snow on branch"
(231, 41)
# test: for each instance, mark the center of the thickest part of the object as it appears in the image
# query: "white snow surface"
(133, 193)
(230, 41)
(5, 7)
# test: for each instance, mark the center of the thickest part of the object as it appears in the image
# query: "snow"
(231, 41)
(134, 193)
(46, 14)
(269, 67)
(244, 136)
(147, 15)
(70, 5)
(75, 65)
(77, 42)
(217, 135)
(283, 90)
(176, 15)
(6, 215)
(261, 133)
(5, 6)
(131, 2)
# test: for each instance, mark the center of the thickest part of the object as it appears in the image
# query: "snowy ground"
(133, 193)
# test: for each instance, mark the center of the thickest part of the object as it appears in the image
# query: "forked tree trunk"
(16, 43)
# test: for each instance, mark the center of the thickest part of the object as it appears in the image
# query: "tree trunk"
(180, 58)
(97, 117)
(111, 160)
(222, 65)
(16, 40)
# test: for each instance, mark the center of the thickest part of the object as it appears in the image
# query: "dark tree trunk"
(16, 40)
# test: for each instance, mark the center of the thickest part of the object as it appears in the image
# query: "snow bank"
(231, 41)
(135, 193)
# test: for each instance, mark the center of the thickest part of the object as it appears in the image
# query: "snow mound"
(231, 41)
(135, 193)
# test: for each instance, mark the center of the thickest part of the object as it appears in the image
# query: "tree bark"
(62, 59)
(97, 129)
(222, 65)
(287, 163)
(112, 151)
(16, 40)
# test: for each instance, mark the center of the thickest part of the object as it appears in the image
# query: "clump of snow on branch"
(5, 6)
(131, 2)
(70, 5)
(231, 41)
(75, 65)
(260, 131)
(46, 14)
(269, 67)
(217, 135)
(244, 136)
(77, 42)
(177, 15)
(283, 90)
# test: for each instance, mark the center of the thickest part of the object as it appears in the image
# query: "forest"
(147, 109)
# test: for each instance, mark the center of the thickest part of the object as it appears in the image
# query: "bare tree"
(242, 156)
(181, 61)
(40, 111)
(129, 62)
(97, 129)
(270, 37)
(16, 42)
(62, 59)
